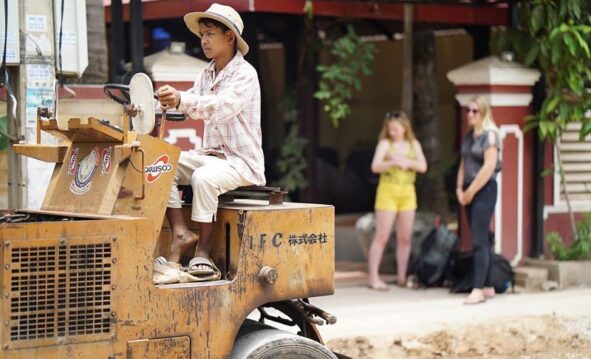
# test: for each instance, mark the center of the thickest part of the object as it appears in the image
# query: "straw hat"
(224, 14)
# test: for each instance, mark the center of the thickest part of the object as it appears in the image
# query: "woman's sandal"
(381, 286)
(401, 285)
(489, 293)
(473, 298)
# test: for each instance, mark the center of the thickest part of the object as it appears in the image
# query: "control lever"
(162, 124)
(313, 312)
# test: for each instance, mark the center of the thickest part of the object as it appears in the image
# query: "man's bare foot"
(181, 241)
(378, 285)
(489, 292)
(475, 297)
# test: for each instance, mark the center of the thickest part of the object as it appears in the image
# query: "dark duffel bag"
(433, 260)
(501, 274)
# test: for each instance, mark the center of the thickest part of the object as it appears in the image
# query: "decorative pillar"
(508, 87)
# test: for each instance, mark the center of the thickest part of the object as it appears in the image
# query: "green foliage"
(291, 162)
(3, 132)
(309, 9)
(338, 81)
(555, 36)
(579, 249)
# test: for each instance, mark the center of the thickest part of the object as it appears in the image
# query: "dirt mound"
(358, 347)
(524, 337)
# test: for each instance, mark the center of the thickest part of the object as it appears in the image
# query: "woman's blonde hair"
(488, 123)
(403, 120)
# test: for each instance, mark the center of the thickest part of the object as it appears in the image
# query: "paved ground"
(361, 311)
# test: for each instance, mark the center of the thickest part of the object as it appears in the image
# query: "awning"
(464, 12)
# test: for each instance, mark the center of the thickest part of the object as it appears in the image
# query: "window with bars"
(576, 161)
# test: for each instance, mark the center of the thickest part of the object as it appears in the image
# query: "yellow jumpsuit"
(396, 189)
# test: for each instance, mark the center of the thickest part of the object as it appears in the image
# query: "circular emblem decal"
(84, 173)
(106, 161)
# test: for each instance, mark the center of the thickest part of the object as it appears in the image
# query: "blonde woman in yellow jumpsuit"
(398, 157)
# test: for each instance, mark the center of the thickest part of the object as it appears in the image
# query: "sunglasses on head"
(393, 114)
(472, 110)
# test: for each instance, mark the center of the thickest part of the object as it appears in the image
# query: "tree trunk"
(430, 187)
(407, 68)
(571, 214)
(98, 63)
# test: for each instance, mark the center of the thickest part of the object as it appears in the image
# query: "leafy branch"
(555, 36)
(352, 58)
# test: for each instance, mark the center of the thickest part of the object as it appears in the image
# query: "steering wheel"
(121, 98)
(124, 98)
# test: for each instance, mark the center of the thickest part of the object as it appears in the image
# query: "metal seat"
(272, 194)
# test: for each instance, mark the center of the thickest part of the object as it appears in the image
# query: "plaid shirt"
(230, 105)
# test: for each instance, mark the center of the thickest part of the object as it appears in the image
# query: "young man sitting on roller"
(226, 96)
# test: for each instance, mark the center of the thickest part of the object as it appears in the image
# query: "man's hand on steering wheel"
(169, 97)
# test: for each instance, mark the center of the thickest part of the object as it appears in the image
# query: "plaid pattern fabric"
(230, 105)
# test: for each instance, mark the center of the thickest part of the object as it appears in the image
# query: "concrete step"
(530, 278)
(565, 273)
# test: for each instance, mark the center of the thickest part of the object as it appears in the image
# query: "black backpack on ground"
(501, 273)
(462, 274)
(433, 260)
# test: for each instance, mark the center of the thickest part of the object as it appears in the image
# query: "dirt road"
(549, 336)
(406, 323)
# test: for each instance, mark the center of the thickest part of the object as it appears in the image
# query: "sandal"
(381, 286)
(170, 273)
(194, 269)
(474, 298)
(489, 293)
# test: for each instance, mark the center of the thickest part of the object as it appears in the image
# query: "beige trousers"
(209, 176)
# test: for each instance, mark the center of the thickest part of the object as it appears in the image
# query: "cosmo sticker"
(84, 173)
(106, 160)
(159, 166)
(72, 161)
